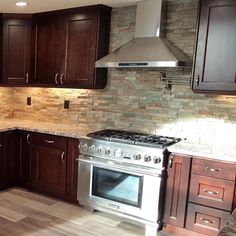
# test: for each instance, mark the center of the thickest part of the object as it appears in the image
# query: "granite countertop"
(229, 228)
(66, 130)
(215, 153)
(77, 131)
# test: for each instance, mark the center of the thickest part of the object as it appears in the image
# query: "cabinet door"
(79, 49)
(16, 49)
(177, 190)
(48, 170)
(22, 159)
(1, 160)
(9, 157)
(46, 47)
(72, 169)
(215, 68)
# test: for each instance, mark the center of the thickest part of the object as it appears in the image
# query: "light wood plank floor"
(30, 214)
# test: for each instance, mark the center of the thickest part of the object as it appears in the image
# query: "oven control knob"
(118, 153)
(84, 147)
(107, 151)
(92, 149)
(147, 158)
(137, 156)
(99, 150)
(156, 160)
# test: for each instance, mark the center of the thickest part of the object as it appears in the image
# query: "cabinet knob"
(56, 78)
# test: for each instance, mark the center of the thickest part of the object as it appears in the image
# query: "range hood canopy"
(149, 48)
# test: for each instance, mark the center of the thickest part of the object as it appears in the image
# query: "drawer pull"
(211, 192)
(207, 221)
(62, 157)
(49, 141)
(1, 145)
(27, 138)
(213, 169)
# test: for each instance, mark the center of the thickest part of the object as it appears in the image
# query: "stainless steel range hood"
(149, 48)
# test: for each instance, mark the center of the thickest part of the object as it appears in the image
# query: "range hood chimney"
(149, 48)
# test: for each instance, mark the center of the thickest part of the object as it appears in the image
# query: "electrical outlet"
(28, 101)
(66, 104)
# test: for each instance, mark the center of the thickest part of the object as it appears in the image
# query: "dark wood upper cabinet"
(215, 56)
(16, 48)
(66, 45)
(46, 49)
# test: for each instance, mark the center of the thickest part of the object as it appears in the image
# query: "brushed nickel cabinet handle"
(211, 192)
(197, 80)
(27, 78)
(207, 221)
(213, 169)
(56, 78)
(1, 145)
(170, 162)
(63, 157)
(61, 78)
(27, 138)
(49, 141)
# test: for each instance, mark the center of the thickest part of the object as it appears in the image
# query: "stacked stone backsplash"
(135, 99)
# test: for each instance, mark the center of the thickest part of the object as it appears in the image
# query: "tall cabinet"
(16, 48)
(215, 56)
(66, 45)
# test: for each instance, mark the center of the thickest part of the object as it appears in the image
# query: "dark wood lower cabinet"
(205, 220)
(9, 158)
(22, 158)
(177, 189)
(1, 161)
(49, 169)
(72, 169)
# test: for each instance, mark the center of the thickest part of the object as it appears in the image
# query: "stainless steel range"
(124, 173)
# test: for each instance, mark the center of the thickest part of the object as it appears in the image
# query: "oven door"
(129, 190)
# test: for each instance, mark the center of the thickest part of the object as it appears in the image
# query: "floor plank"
(24, 213)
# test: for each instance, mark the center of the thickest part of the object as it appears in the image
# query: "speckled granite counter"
(230, 227)
(76, 131)
(223, 154)
(66, 130)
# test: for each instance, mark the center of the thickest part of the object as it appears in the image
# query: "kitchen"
(134, 99)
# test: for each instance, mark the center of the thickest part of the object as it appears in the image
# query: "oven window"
(117, 186)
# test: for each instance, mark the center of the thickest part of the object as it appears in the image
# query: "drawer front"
(205, 220)
(214, 169)
(49, 140)
(212, 192)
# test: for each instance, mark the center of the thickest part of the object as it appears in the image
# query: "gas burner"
(135, 138)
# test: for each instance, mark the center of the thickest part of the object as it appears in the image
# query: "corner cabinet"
(66, 45)
(16, 48)
(215, 56)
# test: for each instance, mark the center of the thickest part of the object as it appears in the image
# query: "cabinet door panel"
(16, 50)
(79, 39)
(215, 62)
(49, 170)
(1, 160)
(46, 34)
(177, 190)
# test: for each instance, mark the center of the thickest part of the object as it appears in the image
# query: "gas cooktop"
(134, 138)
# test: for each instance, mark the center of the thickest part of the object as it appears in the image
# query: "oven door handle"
(119, 167)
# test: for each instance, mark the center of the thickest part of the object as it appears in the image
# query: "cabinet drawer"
(214, 169)
(205, 220)
(212, 192)
(49, 140)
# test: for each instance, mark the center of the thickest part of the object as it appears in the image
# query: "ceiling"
(8, 6)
